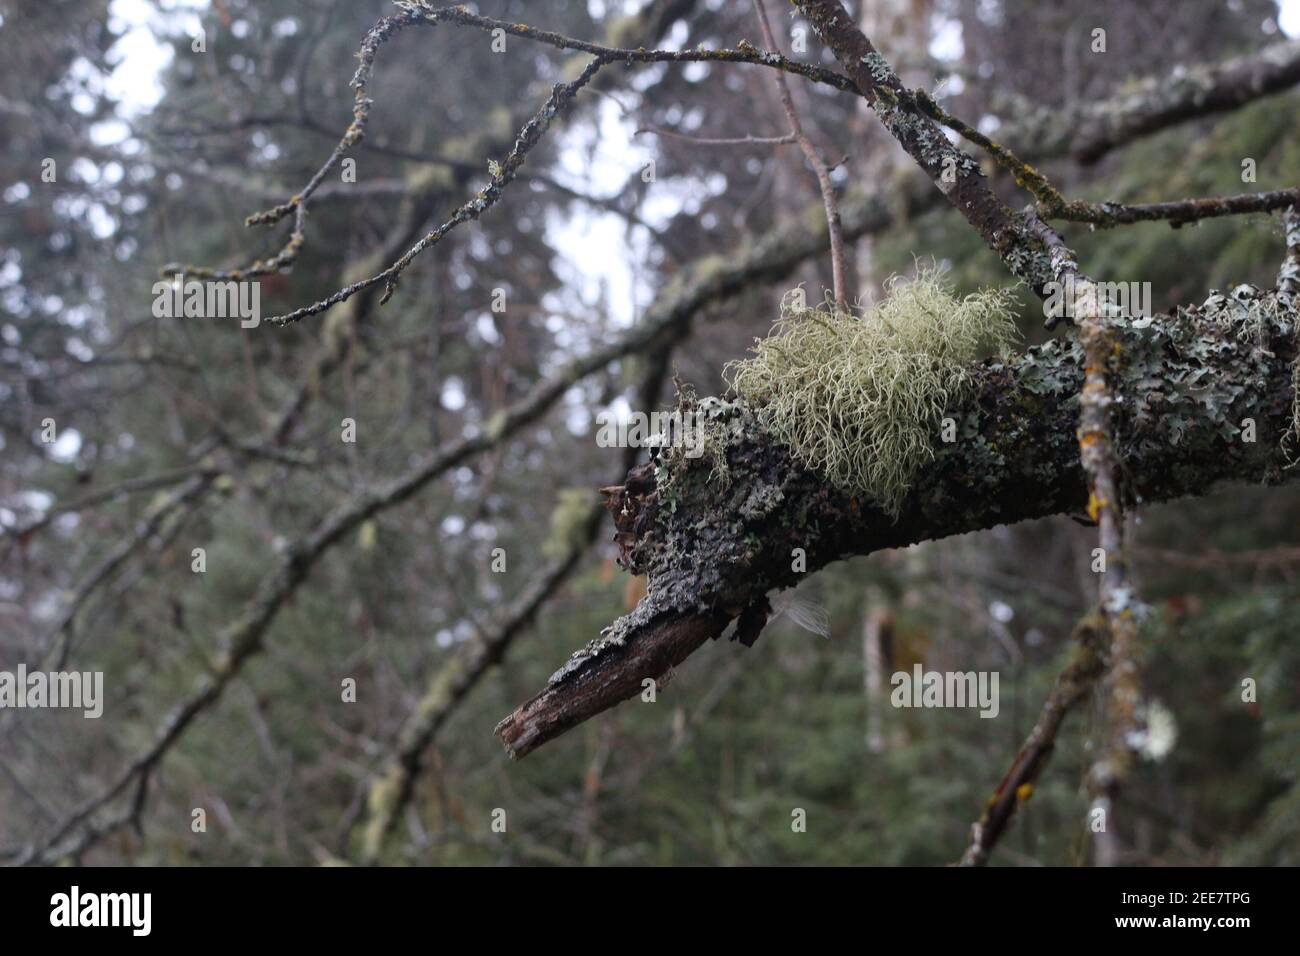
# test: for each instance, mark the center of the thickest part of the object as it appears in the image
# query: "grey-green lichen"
(858, 399)
(1252, 316)
(715, 425)
(878, 67)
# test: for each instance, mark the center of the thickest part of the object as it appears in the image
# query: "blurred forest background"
(201, 434)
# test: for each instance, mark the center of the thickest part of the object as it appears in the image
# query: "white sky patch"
(486, 328)
(453, 394)
(577, 419)
(1289, 17)
(596, 247)
(139, 56)
(38, 502)
(947, 43)
(66, 446)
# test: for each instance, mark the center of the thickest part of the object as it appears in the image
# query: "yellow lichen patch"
(1024, 792)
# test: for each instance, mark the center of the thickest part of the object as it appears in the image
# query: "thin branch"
(820, 168)
(155, 520)
(787, 140)
(1072, 686)
(669, 321)
(1106, 215)
(389, 791)
(1119, 601)
(413, 12)
(122, 489)
(531, 134)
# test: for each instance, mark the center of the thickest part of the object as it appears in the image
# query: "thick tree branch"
(956, 174)
(1094, 129)
(1183, 383)
(1106, 215)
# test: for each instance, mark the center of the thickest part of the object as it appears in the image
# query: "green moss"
(859, 399)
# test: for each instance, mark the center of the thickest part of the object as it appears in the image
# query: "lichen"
(858, 399)
(567, 522)
(717, 427)
(1251, 315)
(1184, 383)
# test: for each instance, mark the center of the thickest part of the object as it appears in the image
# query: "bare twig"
(786, 140)
(122, 489)
(502, 174)
(820, 168)
(1119, 602)
(414, 12)
(1106, 215)
(155, 520)
(954, 172)
(1071, 687)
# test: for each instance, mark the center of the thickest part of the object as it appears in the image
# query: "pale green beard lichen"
(860, 399)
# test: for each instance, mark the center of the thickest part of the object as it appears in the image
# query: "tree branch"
(1184, 383)
(811, 153)
(1071, 687)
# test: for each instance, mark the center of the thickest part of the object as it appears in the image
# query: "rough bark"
(713, 550)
